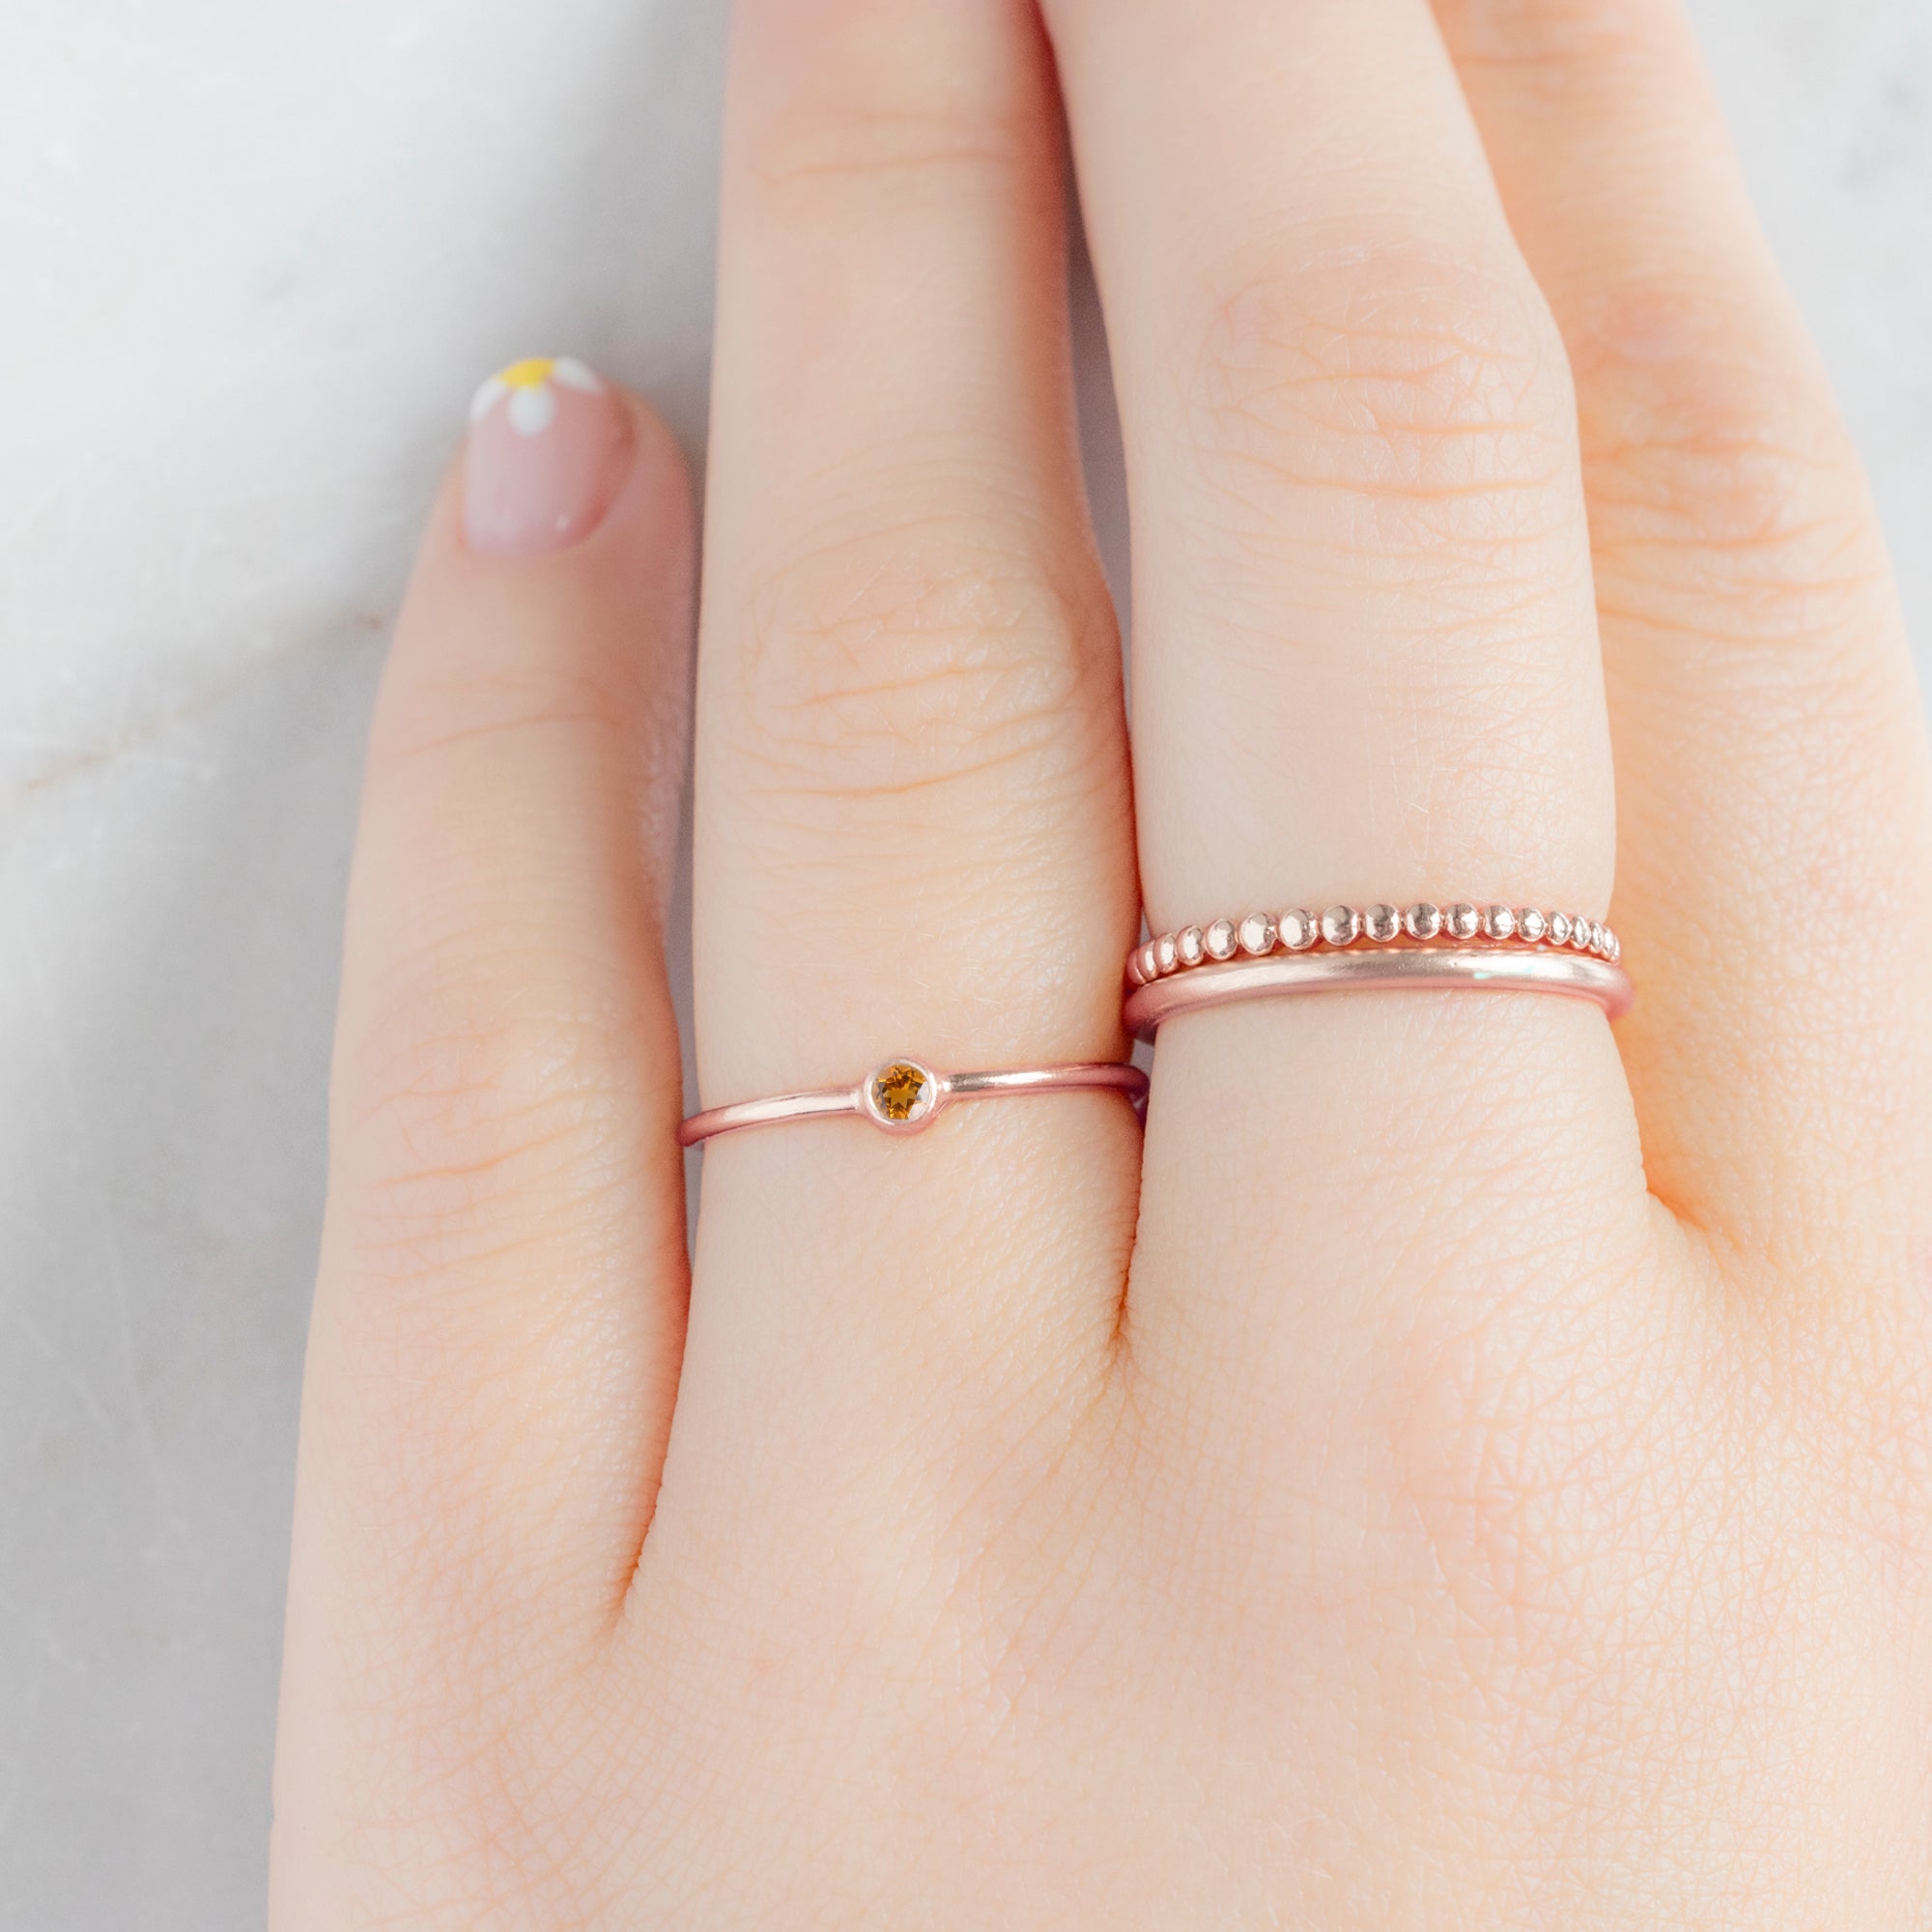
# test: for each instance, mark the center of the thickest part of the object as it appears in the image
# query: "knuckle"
(426, 717)
(478, 1099)
(1556, 46)
(1430, 382)
(845, 117)
(807, 153)
(1709, 441)
(921, 657)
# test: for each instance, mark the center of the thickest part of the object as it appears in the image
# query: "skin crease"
(1461, 1467)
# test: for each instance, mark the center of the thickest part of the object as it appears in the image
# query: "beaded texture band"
(1255, 935)
(904, 1097)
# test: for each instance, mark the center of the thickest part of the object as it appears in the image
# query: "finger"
(499, 1314)
(1771, 771)
(913, 831)
(1365, 660)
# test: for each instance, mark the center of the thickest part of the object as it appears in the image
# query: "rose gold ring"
(1257, 934)
(903, 1097)
(1500, 969)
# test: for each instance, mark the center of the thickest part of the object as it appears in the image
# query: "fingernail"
(549, 444)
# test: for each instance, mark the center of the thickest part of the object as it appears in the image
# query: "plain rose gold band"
(903, 1097)
(1497, 969)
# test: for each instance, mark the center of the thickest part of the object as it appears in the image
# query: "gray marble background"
(255, 257)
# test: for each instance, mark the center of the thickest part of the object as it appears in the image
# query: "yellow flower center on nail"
(531, 373)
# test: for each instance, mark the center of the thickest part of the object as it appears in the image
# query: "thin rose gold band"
(902, 1096)
(1501, 969)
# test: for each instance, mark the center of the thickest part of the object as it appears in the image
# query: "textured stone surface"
(257, 258)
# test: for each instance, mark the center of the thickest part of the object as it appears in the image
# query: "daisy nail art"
(530, 387)
(549, 447)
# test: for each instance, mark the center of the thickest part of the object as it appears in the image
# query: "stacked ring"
(1497, 948)
(1496, 968)
(1255, 935)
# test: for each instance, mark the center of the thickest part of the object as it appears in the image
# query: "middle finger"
(913, 832)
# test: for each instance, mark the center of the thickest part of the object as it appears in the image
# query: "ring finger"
(1365, 660)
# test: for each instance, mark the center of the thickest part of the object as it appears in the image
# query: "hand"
(1467, 1468)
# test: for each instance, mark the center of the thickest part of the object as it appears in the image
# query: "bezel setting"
(887, 1103)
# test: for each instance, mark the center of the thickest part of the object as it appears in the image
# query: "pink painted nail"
(549, 444)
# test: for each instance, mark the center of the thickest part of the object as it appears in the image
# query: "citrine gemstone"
(900, 1091)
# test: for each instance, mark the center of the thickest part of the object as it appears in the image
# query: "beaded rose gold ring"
(903, 1097)
(1497, 948)
(1258, 934)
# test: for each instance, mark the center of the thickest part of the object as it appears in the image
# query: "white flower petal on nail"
(532, 411)
(532, 386)
(486, 397)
